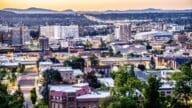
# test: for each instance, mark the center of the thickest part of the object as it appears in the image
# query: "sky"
(97, 5)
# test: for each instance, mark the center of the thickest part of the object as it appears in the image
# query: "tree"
(148, 47)
(92, 80)
(33, 96)
(132, 71)
(183, 86)
(102, 44)
(10, 101)
(41, 104)
(151, 93)
(118, 54)
(141, 67)
(3, 72)
(94, 60)
(88, 44)
(45, 93)
(75, 62)
(123, 94)
(13, 78)
(35, 35)
(50, 76)
(4, 96)
(17, 99)
(111, 51)
(152, 64)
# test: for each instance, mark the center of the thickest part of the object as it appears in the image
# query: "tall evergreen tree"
(151, 93)
(152, 64)
(33, 96)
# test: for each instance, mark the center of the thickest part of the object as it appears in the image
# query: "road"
(27, 81)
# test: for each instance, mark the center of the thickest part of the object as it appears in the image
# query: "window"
(71, 99)
(168, 92)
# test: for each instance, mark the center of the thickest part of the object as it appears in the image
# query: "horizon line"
(96, 10)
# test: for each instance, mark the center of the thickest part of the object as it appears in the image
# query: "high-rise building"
(122, 31)
(16, 34)
(57, 32)
(44, 43)
(25, 32)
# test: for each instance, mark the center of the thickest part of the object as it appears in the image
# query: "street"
(27, 81)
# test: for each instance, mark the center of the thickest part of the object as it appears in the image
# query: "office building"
(57, 32)
(44, 43)
(122, 32)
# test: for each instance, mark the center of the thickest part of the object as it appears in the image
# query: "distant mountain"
(68, 11)
(29, 10)
(34, 10)
(149, 10)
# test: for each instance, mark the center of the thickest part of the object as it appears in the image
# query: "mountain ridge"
(33, 10)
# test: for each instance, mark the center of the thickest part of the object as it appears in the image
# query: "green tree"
(94, 60)
(102, 44)
(76, 62)
(148, 46)
(45, 93)
(151, 93)
(4, 96)
(35, 35)
(152, 64)
(132, 70)
(33, 96)
(3, 72)
(17, 99)
(118, 54)
(92, 80)
(111, 51)
(13, 78)
(50, 76)
(141, 67)
(88, 44)
(123, 94)
(41, 104)
(183, 86)
(10, 101)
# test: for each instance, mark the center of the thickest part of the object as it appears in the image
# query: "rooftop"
(154, 33)
(95, 95)
(67, 88)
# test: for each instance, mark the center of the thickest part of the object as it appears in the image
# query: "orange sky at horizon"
(97, 5)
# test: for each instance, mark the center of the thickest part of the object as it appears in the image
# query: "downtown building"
(122, 31)
(57, 33)
(75, 96)
(15, 36)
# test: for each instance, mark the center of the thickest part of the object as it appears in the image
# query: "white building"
(175, 28)
(122, 31)
(160, 36)
(16, 34)
(26, 38)
(57, 32)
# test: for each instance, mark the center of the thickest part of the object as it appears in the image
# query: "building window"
(168, 92)
(71, 99)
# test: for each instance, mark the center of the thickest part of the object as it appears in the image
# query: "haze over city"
(97, 5)
(95, 54)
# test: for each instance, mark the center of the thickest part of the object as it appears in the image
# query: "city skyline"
(99, 5)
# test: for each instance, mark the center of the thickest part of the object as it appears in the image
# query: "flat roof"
(67, 88)
(95, 95)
